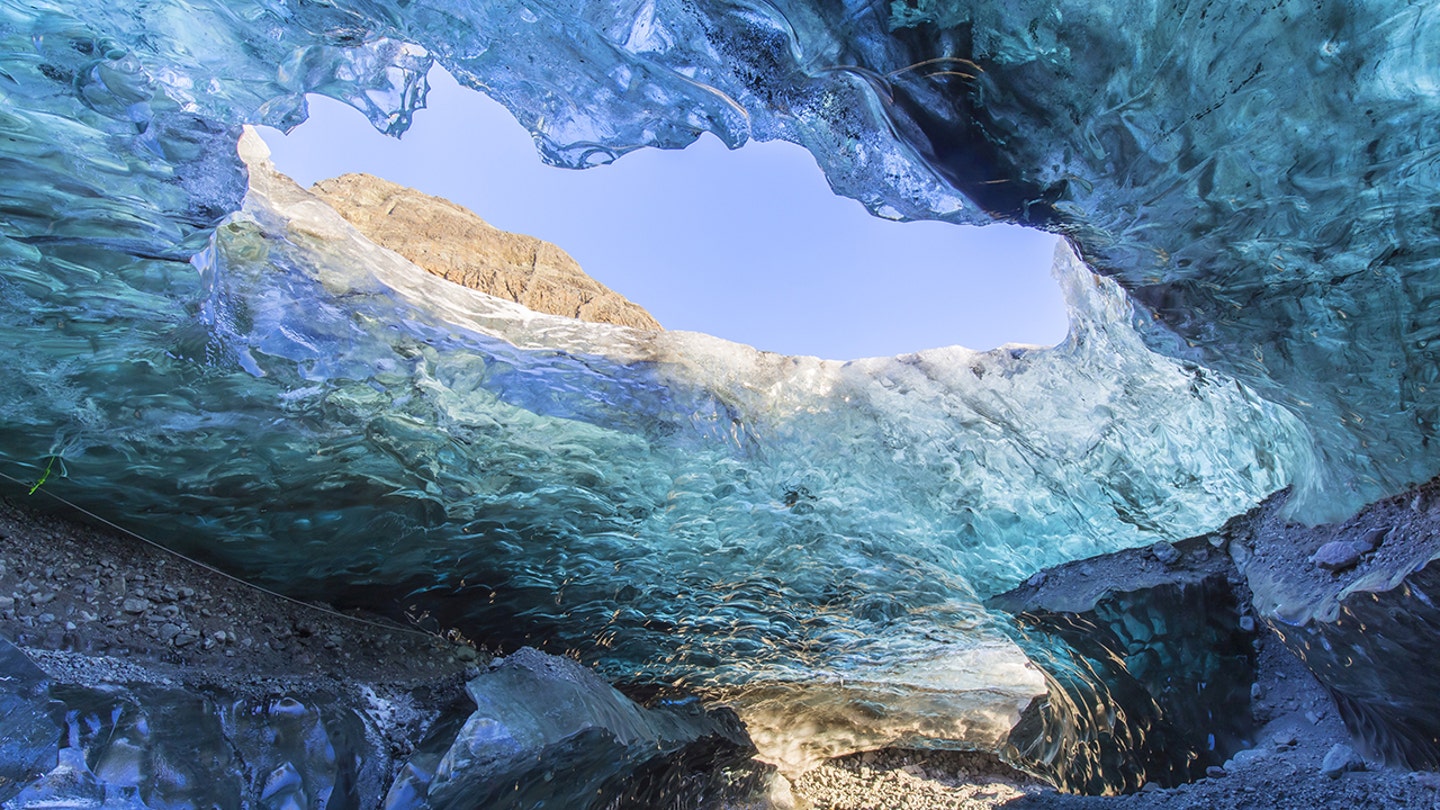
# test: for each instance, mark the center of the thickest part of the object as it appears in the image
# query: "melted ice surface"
(310, 411)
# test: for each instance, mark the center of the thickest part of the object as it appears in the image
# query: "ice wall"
(300, 408)
(1257, 175)
(327, 418)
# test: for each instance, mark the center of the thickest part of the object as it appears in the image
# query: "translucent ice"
(325, 417)
(309, 412)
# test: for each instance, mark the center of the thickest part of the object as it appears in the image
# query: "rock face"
(454, 243)
(1368, 628)
(1148, 660)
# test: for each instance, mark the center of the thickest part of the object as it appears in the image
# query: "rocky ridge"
(456, 244)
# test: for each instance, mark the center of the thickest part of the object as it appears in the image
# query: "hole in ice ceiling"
(751, 246)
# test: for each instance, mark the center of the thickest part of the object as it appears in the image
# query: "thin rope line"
(82, 510)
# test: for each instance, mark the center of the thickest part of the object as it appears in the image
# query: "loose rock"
(1340, 555)
(1341, 759)
(1166, 553)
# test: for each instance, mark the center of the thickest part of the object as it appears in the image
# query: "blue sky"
(749, 245)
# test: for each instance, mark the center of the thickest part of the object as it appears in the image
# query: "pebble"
(1215, 772)
(133, 605)
(1247, 624)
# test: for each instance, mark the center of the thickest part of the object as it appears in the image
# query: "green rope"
(44, 476)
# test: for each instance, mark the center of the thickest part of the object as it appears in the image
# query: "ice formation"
(261, 388)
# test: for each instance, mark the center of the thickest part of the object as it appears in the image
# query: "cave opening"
(750, 246)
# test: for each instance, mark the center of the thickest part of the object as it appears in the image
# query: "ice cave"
(660, 569)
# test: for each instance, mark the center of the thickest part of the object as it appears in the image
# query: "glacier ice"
(583, 731)
(673, 507)
(267, 391)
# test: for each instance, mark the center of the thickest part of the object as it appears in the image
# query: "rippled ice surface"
(805, 537)
(307, 410)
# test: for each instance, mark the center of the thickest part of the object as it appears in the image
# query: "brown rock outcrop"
(453, 242)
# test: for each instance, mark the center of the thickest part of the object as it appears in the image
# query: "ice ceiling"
(260, 387)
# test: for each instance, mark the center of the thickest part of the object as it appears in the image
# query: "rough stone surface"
(1165, 552)
(454, 243)
(1368, 630)
(1341, 759)
(1340, 555)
